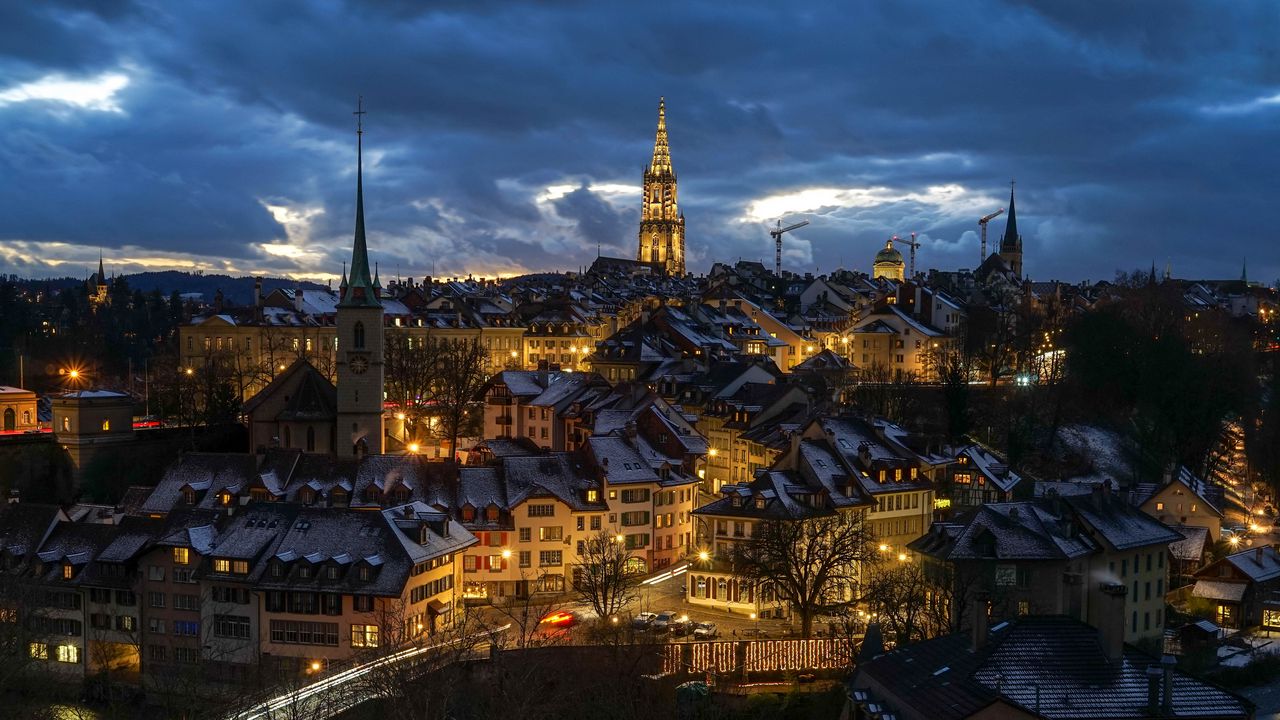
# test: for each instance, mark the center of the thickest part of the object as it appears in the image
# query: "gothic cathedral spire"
(661, 222)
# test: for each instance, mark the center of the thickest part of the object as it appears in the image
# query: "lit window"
(106, 425)
(68, 654)
(181, 556)
(240, 567)
(1159, 506)
(364, 636)
(67, 571)
(222, 566)
(38, 651)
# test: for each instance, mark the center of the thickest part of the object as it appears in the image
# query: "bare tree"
(458, 385)
(812, 564)
(602, 578)
(412, 366)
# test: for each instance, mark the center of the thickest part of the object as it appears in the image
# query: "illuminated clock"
(358, 364)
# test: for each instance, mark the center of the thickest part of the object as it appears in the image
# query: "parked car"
(643, 621)
(681, 626)
(705, 631)
(662, 623)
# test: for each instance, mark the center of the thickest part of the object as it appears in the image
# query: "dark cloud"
(1134, 130)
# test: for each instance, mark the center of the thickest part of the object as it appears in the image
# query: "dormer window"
(188, 496)
(331, 572)
(468, 513)
(760, 503)
(491, 513)
(277, 569)
(304, 572)
(365, 573)
(67, 571)
(593, 496)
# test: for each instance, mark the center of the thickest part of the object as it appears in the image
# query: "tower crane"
(776, 233)
(911, 244)
(982, 225)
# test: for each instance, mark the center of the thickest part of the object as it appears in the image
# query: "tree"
(915, 602)
(461, 377)
(812, 563)
(602, 576)
(411, 366)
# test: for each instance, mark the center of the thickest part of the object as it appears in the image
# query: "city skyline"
(515, 142)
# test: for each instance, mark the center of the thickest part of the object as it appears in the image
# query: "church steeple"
(661, 222)
(1011, 243)
(360, 287)
(102, 274)
(661, 164)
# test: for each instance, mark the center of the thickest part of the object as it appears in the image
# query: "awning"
(1215, 590)
(439, 608)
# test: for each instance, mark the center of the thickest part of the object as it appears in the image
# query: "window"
(358, 336)
(640, 540)
(635, 496)
(184, 575)
(99, 595)
(158, 653)
(553, 532)
(155, 625)
(525, 558)
(362, 603)
(106, 425)
(582, 523)
(126, 623)
(66, 427)
(1159, 506)
(155, 599)
(99, 621)
(155, 573)
(67, 572)
(68, 654)
(231, 626)
(634, 518)
(550, 558)
(364, 636)
(240, 567)
(186, 628)
(304, 633)
(186, 655)
(542, 510)
(469, 563)
(38, 651)
(186, 602)
(221, 565)
(525, 534)
(595, 522)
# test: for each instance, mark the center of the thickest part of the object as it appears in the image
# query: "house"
(1243, 588)
(1182, 499)
(298, 409)
(1035, 667)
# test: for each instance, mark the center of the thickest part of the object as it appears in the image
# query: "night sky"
(510, 137)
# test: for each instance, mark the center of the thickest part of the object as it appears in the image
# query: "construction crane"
(777, 240)
(982, 225)
(911, 244)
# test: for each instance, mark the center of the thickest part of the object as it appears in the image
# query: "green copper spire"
(360, 288)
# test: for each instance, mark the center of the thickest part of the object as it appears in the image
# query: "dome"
(889, 254)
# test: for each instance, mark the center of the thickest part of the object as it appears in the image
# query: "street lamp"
(414, 447)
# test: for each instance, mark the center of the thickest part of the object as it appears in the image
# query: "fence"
(748, 656)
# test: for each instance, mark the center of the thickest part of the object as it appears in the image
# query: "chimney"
(1154, 673)
(1167, 664)
(257, 292)
(544, 374)
(1111, 621)
(217, 300)
(978, 620)
(1257, 556)
(629, 429)
(297, 297)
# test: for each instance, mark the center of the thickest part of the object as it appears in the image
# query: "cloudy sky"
(505, 137)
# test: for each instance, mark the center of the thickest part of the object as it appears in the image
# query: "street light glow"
(414, 447)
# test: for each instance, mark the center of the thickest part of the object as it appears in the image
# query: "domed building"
(889, 264)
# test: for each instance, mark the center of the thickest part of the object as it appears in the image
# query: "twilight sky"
(505, 137)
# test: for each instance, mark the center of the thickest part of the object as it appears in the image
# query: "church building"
(661, 222)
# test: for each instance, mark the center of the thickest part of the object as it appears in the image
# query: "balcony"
(498, 400)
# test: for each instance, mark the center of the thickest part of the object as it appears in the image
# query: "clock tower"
(360, 339)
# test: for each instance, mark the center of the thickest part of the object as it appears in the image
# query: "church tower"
(1011, 243)
(661, 222)
(360, 341)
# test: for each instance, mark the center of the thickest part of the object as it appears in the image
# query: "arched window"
(311, 439)
(26, 417)
(106, 425)
(9, 416)
(358, 339)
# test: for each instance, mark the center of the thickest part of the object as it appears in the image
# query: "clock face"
(358, 364)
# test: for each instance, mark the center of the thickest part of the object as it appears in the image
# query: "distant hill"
(238, 290)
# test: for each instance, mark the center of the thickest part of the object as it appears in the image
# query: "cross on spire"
(359, 113)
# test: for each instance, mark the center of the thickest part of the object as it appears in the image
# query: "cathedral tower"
(1011, 243)
(360, 341)
(661, 222)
